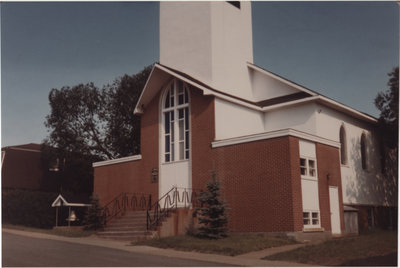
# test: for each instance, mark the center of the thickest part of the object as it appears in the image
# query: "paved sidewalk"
(249, 259)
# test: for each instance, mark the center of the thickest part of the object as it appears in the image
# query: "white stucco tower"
(210, 41)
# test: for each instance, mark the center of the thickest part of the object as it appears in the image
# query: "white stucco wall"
(360, 186)
(300, 117)
(232, 47)
(185, 39)
(265, 87)
(210, 41)
(232, 120)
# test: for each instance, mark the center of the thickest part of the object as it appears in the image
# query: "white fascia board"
(138, 109)
(341, 107)
(78, 205)
(289, 103)
(280, 79)
(117, 161)
(274, 134)
(206, 91)
(57, 199)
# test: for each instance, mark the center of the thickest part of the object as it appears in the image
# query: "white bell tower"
(210, 41)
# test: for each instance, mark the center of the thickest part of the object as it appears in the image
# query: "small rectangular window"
(315, 218)
(311, 166)
(306, 218)
(308, 168)
(303, 166)
(311, 219)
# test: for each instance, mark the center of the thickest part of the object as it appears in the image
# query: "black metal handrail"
(124, 201)
(174, 198)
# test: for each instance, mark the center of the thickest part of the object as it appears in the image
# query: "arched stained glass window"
(175, 112)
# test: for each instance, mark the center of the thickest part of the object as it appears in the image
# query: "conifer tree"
(212, 214)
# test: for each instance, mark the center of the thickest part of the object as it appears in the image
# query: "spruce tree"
(212, 214)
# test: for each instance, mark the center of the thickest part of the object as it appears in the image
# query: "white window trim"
(174, 109)
(309, 226)
(307, 177)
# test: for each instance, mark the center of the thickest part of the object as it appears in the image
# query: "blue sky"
(343, 50)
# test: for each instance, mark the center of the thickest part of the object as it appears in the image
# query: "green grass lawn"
(59, 232)
(341, 250)
(235, 244)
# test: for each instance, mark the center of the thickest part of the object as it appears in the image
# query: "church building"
(289, 159)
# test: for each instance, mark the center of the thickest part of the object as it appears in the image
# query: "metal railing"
(123, 202)
(172, 200)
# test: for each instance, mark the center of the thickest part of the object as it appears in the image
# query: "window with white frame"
(311, 219)
(175, 111)
(308, 167)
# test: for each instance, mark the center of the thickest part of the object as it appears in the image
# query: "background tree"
(90, 121)
(87, 124)
(77, 120)
(123, 125)
(388, 104)
(213, 218)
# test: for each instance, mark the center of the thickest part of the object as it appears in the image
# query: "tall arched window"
(363, 151)
(175, 112)
(343, 146)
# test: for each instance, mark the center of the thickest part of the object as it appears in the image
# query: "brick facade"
(328, 162)
(260, 180)
(22, 167)
(134, 176)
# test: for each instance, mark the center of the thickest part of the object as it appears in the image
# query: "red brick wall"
(262, 191)
(134, 176)
(202, 134)
(21, 169)
(260, 180)
(296, 184)
(261, 186)
(328, 161)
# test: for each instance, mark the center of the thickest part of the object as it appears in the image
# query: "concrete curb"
(249, 259)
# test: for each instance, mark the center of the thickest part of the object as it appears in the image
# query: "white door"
(334, 206)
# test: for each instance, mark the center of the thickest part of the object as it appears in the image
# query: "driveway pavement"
(250, 259)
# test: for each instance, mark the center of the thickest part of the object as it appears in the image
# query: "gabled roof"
(320, 98)
(74, 201)
(161, 74)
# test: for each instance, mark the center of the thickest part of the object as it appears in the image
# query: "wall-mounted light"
(328, 176)
(154, 175)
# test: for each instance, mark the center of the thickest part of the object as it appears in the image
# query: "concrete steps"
(131, 226)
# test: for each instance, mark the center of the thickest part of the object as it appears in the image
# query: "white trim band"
(117, 161)
(274, 134)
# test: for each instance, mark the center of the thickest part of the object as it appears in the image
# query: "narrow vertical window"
(363, 151)
(343, 146)
(175, 110)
